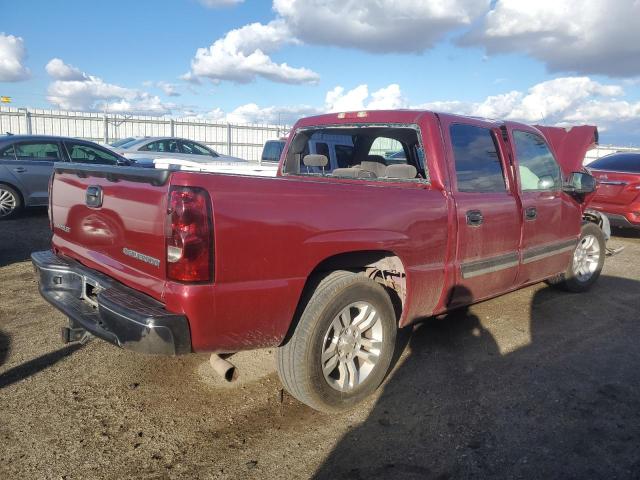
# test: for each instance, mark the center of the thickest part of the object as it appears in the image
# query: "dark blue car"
(26, 163)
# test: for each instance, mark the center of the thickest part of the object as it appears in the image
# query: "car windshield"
(129, 143)
(618, 162)
(122, 141)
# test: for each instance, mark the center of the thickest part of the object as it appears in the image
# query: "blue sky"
(502, 59)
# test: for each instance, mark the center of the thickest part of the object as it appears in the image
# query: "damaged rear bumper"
(108, 309)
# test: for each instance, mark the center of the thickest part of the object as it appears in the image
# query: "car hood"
(571, 144)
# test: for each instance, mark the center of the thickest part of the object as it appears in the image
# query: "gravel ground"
(534, 384)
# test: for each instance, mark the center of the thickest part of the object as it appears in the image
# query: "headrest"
(315, 160)
(376, 159)
(345, 172)
(400, 171)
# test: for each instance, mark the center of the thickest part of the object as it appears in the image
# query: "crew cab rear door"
(487, 209)
(551, 218)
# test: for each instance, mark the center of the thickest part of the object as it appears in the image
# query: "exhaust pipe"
(222, 367)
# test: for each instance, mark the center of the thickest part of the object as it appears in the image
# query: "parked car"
(26, 164)
(327, 264)
(272, 150)
(122, 143)
(146, 149)
(618, 194)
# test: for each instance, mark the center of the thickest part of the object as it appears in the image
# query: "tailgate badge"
(94, 196)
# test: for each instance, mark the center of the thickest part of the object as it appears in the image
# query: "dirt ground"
(535, 384)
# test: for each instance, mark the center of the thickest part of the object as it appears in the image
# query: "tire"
(10, 202)
(348, 325)
(586, 262)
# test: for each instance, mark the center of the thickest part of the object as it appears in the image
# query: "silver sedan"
(146, 149)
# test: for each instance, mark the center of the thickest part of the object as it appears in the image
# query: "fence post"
(106, 129)
(27, 121)
(228, 139)
(171, 128)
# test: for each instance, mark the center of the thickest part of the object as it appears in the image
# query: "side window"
(83, 153)
(162, 146)
(272, 151)
(40, 151)
(192, 148)
(8, 153)
(388, 148)
(538, 169)
(478, 166)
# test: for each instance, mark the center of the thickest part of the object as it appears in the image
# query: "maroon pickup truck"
(422, 213)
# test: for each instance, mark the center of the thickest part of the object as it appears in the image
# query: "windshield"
(128, 142)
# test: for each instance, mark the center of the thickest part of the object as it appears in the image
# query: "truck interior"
(367, 152)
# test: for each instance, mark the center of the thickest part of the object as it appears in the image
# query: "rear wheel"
(586, 263)
(342, 346)
(10, 202)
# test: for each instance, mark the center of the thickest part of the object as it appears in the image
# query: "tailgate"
(112, 220)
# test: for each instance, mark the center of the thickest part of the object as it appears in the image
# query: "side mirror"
(580, 183)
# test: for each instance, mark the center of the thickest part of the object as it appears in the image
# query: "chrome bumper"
(108, 309)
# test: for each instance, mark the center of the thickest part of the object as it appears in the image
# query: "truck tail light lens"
(189, 235)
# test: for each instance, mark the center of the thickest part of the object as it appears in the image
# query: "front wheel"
(342, 346)
(586, 263)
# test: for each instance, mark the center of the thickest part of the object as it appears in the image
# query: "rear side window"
(618, 162)
(164, 146)
(478, 165)
(344, 155)
(539, 171)
(83, 153)
(38, 151)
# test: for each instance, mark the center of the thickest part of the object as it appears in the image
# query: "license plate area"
(90, 290)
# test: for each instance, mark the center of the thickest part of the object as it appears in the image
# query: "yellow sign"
(5, 99)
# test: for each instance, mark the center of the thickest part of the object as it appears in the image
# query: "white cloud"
(242, 55)
(358, 98)
(562, 101)
(380, 25)
(73, 89)
(12, 57)
(598, 36)
(59, 70)
(219, 3)
(275, 115)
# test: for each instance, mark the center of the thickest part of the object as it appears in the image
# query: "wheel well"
(16, 189)
(384, 267)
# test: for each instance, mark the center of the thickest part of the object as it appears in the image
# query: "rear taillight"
(189, 235)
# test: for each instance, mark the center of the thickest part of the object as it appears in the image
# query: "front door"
(552, 219)
(488, 211)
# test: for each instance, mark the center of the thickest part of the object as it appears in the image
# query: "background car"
(272, 150)
(618, 194)
(145, 149)
(26, 163)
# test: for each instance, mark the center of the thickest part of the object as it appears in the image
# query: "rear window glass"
(618, 162)
(357, 151)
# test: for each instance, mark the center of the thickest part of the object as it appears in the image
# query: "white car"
(236, 168)
(143, 150)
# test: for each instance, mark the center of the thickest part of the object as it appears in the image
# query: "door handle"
(530, 213)
(474, 218)
(19, 169)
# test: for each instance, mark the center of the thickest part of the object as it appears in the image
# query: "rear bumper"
(621, 221)
(108, 309)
